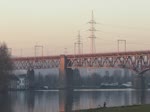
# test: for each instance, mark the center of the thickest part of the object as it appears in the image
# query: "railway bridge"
(138, 61)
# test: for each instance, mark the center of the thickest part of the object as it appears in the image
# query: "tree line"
(93, 80)
(96, 79)
(6, 67)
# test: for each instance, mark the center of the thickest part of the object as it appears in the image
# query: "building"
(23, 82)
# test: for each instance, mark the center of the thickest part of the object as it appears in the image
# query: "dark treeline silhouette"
(147, 78)
(46, 81)
(6, 67)
(94, 80)
(97, 79)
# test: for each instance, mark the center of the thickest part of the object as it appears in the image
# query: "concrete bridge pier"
(30, 76)
(140, 82)
(65, 74)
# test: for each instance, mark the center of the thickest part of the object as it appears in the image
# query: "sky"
(54, 24)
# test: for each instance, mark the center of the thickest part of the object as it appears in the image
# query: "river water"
(59, 101)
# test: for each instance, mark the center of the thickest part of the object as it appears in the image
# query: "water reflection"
(5, 103)
(66, 101)
(30, 98)
(142, 97)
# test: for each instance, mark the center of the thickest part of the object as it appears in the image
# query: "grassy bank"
(134, 108)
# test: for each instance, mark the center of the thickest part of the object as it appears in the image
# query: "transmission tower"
(92, 34)
(78, 45)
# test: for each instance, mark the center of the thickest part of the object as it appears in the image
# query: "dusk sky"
(55, 24)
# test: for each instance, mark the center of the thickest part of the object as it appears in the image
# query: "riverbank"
(73, 88)
(134, 108)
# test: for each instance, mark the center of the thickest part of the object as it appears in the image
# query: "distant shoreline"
(56, 88)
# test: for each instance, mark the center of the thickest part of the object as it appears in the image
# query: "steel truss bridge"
(139, 61)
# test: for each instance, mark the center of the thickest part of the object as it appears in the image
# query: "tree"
(106, 77)
(76, 78)
(96, 79)
(117, 76)
(40, 81)
(126, 77)
(6, 66)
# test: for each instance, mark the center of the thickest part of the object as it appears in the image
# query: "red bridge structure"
(138, 61)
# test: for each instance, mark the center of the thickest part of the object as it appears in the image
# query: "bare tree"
(6, 66)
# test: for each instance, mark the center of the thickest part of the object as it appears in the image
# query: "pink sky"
(55, 24)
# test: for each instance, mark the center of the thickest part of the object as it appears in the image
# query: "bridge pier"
(65, 74)
(140, 82)
(30, 76)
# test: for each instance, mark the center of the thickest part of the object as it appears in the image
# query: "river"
(59, 101)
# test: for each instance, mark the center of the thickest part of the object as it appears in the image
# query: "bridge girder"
(137, 61)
